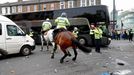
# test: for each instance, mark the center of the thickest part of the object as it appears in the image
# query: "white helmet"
(63, 14)
(47, 19)
(75, 28)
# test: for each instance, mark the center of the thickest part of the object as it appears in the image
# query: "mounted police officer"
(46, 25)
(61, 23)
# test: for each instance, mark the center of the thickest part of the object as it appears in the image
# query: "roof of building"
(28, 2)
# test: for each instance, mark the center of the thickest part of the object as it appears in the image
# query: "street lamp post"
(114, 10)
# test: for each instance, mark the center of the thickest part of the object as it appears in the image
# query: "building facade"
(127, 19)
(43, 5)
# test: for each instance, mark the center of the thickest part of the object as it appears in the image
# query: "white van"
(13, 39)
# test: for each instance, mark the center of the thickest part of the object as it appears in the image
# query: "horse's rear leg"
(47, 46)
(75, 53)
(42, 44)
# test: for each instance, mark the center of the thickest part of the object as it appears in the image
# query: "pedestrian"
(92, 33)
(130, 35)
(97, 35)
(75, 32)
(61, 23)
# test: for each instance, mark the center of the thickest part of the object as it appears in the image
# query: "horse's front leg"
(65, 55)
(54, 49)
(42, 43)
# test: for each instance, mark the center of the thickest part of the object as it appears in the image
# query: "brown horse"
(66, 39)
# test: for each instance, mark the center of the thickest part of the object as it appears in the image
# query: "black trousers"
(97, 45)
(92, 39)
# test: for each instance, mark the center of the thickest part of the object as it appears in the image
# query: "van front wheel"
(25, 50)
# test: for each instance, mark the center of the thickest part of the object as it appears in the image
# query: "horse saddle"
(56, 31)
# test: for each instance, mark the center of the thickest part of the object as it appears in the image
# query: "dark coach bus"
(94, 14)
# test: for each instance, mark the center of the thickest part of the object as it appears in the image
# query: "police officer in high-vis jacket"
(61, 23)
(46, 25)
(92, 34)
(98, 36)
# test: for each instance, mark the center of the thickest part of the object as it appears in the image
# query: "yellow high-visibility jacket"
(46, 26)
(62, 22)
(98, 33)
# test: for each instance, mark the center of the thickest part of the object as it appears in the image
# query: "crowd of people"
(125, 35)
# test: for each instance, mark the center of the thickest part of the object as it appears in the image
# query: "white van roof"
(5, 19)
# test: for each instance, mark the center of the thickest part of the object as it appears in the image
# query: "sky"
(120, 4)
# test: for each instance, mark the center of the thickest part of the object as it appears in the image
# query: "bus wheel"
(82, 41)
(25, 50)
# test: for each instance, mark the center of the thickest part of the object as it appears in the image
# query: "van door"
(15, 38)
(2, 38)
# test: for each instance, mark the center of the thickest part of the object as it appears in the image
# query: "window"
(89, 2)
(4, 10)
(14, 31)
(44, 6)
(19, 8)
(0, 29)
(52, 6)
(92, 2)
(14, 9)
(28, 8)
(70, 4)
(35, 8)
(62, 5)
(83, 3)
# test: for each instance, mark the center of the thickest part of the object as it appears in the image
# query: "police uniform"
(75, 32)
(62, 22)
(46, 26)
(97, 35)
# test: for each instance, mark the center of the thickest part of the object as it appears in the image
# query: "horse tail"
(80, 46)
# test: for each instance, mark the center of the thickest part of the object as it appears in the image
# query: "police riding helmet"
(63, 14)
(47, 19)
(75, 28)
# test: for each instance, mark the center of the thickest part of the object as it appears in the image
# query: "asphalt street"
(117, 59)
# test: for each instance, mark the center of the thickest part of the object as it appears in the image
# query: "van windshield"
(13, 30)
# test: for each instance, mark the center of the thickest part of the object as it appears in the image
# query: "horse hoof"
(52, 57)
(74, 59)
(61, 61)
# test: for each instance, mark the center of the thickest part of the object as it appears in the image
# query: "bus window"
(80, 23)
